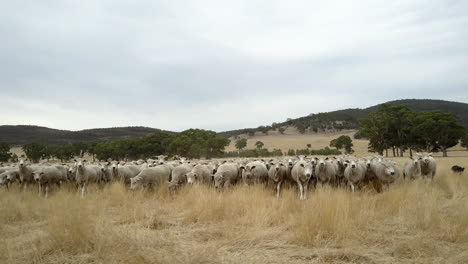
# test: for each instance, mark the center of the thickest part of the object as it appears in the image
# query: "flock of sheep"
(344, 171)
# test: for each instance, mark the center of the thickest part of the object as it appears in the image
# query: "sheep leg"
(47, 191)
(278, 188)
(301, 191)
(83, 190)
(305, 190)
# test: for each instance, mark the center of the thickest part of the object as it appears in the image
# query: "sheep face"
(307, 170)
(135, 183)
(191, 177)
(390, 171)
(37, 176)
(218, 180)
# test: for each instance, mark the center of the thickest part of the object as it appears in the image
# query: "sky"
(223, 65)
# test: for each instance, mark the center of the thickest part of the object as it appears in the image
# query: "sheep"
(47, 176)
(201, 173)
(428, 165)
(106, 173)
(161, 159)
(278, 174)
(26, 173)
(4, 179)
(8, 177)
(179, 176)
(301, 173)
(339, 169)
(386, 173)
(254, 172)
(354, 174)
(123, 173)
(226, 175)
(150, 177)
(412, 168)
(325, 171)
(86, 174)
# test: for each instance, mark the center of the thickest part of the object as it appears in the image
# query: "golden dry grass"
(292, 139)
(413, 222)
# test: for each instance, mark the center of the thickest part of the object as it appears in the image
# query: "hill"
(18, 135)
(329, 122)
(348, 118)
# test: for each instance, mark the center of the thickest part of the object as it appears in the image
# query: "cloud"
(223, 65)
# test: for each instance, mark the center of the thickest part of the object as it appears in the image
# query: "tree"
(343, 142)
(301, 128)
(264, 129)
(388, 127)
(259, 144)
(464, 141)
(34, 151)
(5, 154)
(309, 145)
(437, 130)
(241, 143)
(281, 130)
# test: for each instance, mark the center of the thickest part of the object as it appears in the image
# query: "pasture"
(412, 222)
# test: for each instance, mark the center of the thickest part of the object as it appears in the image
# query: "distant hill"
(347, 118)
(19, 135)
(329, 121)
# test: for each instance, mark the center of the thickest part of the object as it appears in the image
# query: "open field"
(292, 139)
(414, 222)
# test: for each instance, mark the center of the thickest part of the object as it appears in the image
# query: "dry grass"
(292, 139)
(414, 222)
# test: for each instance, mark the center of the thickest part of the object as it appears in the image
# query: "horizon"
(223, 66)
(142, 126)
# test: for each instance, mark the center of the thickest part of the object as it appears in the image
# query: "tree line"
(397, 128)
(390, 127)
(192, 143)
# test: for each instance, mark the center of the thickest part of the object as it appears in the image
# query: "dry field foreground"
(414, 222)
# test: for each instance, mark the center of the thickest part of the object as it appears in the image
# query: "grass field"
(414, 222)
(292, 139)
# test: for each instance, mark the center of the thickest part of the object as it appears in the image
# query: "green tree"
(301, 128)
(343, 142)
(241, 144)
(437, 130)
(259, 144)
(34, 151)
(464, 141)
(5, 154)
(309, 145)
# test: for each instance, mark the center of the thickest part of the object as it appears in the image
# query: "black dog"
(457, 169)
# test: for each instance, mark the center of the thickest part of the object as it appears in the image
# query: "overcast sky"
(223, 65)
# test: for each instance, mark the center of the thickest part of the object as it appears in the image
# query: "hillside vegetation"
(19, 135)
(348, 118)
